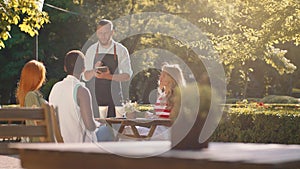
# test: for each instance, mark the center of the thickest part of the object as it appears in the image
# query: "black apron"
(108, 92)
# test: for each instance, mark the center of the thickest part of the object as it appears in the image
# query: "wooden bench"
(157, 154)
(13, 126)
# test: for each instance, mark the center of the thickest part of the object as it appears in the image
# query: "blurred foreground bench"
(157, 154)
(13, 127)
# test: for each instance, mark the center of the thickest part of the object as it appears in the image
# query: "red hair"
(33, 76)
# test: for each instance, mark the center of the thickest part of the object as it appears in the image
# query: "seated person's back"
(73, 102)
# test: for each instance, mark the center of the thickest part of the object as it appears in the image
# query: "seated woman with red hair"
(32, 78)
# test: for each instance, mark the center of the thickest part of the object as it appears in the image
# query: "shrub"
(259, 126)
(279, 99)
(232, 100)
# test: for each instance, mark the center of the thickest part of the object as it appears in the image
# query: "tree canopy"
(244, 30)
(24, 13)
(248, 37)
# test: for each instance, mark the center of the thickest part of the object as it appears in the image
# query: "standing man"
(105, 84)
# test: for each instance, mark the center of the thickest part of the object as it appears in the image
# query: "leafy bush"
(266, 99)
(295, 92)
(47, 87)
(279, 99)
(253, 99)
(232, 100)
(259, 126)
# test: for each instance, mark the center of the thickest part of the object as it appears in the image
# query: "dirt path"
(10, 162)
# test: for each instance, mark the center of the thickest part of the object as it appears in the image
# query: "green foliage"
(279, 99)
(259, 126)
(248, 30)
(270, 99)
(240, 31)
(244, 31)
(23, 13)
(143, 84)
(47, 87)
(65, 32)
(12, 59)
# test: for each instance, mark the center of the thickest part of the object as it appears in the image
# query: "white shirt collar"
(106, 50)
(73, 78)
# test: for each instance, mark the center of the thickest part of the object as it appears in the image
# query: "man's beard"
(105, 43)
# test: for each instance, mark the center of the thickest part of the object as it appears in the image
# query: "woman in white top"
(170, 78)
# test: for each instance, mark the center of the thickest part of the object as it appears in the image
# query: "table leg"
(121, 129)
(135, 131)
(152, 129)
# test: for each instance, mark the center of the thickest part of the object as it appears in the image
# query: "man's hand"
(103, 75)
(98, 64)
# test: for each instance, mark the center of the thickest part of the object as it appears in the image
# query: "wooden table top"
(157, 154)
(137, 121)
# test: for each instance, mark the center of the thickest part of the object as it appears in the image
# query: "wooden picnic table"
(157, 154)
(133, 123)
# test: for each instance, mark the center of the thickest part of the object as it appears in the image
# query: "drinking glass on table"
(103, 111)
(120, 112)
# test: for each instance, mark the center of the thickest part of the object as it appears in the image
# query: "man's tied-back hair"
(103, 22)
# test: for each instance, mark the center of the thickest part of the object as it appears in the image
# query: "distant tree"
(241, 31)
(247, 31)
(24, 13)
(244, 30)
(54, 40)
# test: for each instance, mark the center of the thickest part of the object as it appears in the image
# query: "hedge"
(259, 125)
